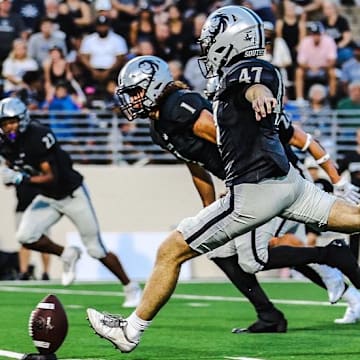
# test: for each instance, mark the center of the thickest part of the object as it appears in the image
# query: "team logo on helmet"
(148, 67)
(218, 24)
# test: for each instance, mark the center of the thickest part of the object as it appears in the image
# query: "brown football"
(48, 325)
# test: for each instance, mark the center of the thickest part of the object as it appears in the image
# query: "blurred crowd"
(65, 55)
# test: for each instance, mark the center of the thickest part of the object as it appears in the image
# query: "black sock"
(246, 283)
(289, 256)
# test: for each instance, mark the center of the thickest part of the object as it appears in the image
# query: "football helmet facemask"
(140, 83)
(228, 32)
(14, 108)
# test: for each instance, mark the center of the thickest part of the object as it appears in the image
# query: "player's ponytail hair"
(169, 89)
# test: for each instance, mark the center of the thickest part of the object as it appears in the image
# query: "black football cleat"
(339, 255)
(273, 322)
(39, 357)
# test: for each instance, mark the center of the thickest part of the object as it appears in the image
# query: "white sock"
(136, 326)
(131, 285)
(351, 295)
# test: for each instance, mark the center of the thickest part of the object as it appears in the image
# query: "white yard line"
(175, 296)
(16, 355)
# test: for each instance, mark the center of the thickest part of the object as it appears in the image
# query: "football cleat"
(133, 294)
(111, 328)
(351, 316)
(271, 322)
(352, 313)
(69, 257)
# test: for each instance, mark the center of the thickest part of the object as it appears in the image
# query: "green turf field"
(195, 324)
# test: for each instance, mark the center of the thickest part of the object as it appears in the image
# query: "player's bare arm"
(203, 183)
(262, 100)
(46, 176)
(204, 127)
(304, 141)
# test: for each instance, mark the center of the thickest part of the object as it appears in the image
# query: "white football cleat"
(352, 313)
(133, 294)
(112, 328)
(69, 257)
(351, 316)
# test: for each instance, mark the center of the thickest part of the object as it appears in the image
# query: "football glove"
(347, 191)
(12, 177)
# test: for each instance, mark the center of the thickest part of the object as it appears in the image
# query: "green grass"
(190, 329)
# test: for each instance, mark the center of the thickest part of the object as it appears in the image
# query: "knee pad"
(95, 248)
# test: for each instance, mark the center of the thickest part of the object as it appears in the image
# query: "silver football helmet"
(140, 83)
(11, 108)
(228, 32)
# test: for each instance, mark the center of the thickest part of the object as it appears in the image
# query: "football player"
(171, 128)
(34, 156)
(262, 184)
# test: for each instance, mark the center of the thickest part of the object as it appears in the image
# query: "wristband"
(323, 159)
(307, 142)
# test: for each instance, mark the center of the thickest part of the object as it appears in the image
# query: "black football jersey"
(35, 146)
(251, 150)
(174, 131)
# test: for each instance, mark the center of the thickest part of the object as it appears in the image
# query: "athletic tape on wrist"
(323, 159)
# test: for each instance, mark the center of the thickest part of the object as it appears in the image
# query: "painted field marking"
(16, 355)
(175, 296)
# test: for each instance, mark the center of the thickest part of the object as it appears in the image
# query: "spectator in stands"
(144, 47)
(33, 92)
(177, 71)
(102, 65)
(346, 109)
(103, 7)
(56, 68)
(15, 66)
(127, 11)
(316, 61)
(74, 17)
(11, 27)
(264, 8)
(164, 47)
(40, 43)
(31, 11)
(320, 114)
(63, 100)
(353, 101)
(337, 26)
(52, 12)
(192, 47)
(310, 8)
(142, 28)
(176, 27)
(351, 69)
(291, 27)
(158, 8)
